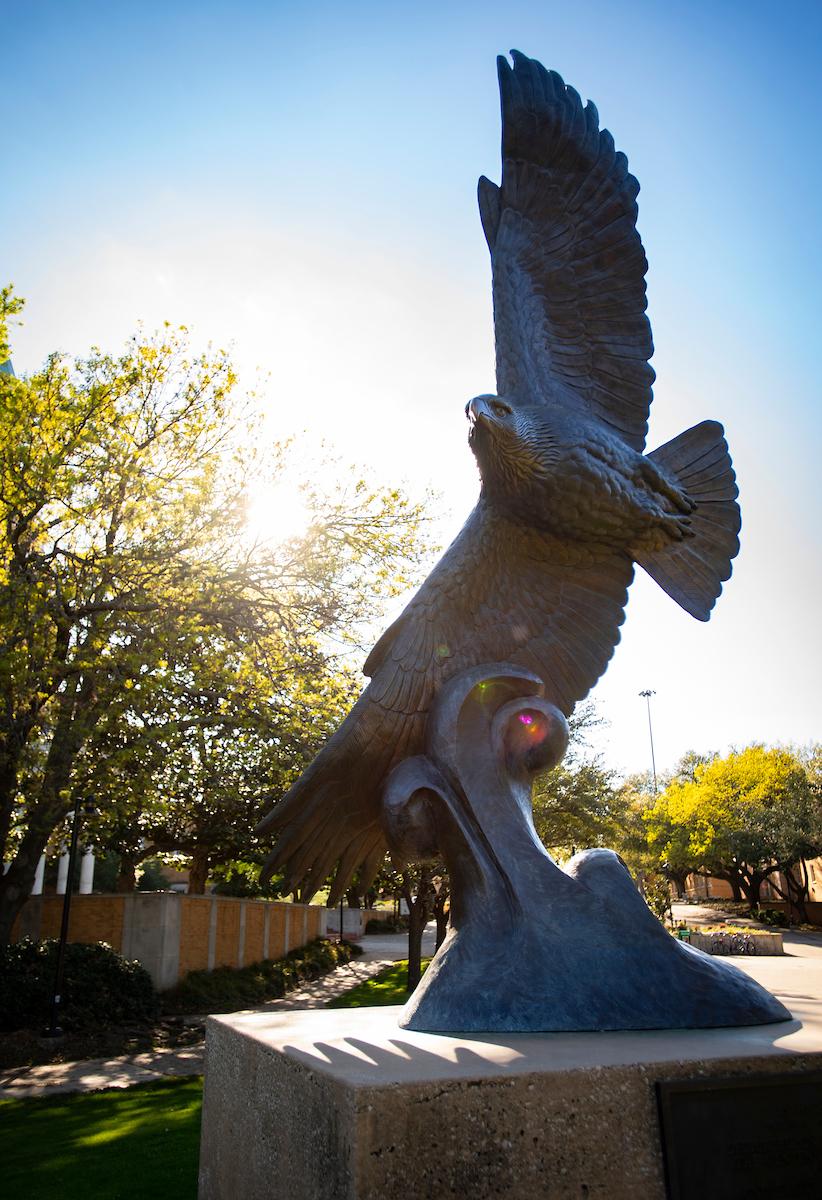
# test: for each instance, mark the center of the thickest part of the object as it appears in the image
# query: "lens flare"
(533, 723)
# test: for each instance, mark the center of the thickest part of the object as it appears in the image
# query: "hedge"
(229, 988)
(100, 987)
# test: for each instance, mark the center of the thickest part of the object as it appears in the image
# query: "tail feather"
(692, 572)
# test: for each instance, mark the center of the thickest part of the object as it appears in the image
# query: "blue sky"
(299, 181)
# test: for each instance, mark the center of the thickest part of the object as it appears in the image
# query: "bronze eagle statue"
(538, 576)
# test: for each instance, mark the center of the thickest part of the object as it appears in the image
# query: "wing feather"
(568, 263)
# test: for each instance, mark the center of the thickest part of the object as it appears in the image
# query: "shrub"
(228, 988)
(658, 896)
(771, 916)
(388, 924)
(100, 987)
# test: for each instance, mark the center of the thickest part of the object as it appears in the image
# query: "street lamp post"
(54, 1029)
(647, 693)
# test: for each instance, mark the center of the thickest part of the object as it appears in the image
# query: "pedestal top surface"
(364, 1047)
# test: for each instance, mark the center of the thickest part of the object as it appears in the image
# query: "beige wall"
(698, 887)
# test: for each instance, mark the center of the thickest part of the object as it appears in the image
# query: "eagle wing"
(500, 593)
(568, 264)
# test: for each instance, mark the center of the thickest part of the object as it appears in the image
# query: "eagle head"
(513, 446)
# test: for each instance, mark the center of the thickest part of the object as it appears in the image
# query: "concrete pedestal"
(346, 1105)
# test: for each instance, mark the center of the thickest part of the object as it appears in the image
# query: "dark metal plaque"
(746, 1138)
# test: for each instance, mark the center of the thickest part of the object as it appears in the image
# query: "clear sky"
(298, 180)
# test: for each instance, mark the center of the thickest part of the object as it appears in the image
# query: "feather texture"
(568, 264)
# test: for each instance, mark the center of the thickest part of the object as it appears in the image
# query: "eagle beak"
(475, 409)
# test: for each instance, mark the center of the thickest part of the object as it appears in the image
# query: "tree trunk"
(127, 875)
(74, 723)
(797, 892)
(12, 747)
(416, 927)
(678, 879)
(441, 914)
(9, 762)
(736, 889)
(419, 907)
(17, 882)
(198, 873)
(803, 890)
(51, 807)
(752, 887)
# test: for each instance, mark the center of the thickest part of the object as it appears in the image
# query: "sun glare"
(275, 513)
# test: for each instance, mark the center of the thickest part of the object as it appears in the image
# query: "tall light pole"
(647, 694)
(54, 1029)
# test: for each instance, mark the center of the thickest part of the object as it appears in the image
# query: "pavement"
(22, 1083)
(705, 914)
(795, 977)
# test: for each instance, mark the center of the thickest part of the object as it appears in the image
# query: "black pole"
(647, 694)
(54, 1029)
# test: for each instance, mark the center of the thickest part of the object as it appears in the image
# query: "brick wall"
(377, 914)
(98, 922)
(253, 946)
(195, 921)
(172, 934)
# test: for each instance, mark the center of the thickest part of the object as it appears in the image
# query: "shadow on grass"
(121, 1144)
(389, 987)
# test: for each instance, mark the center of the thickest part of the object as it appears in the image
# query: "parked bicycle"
(742, 943)
(732, 943)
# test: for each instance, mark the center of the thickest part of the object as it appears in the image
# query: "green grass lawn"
(128, 1144)
(389, 987)
(122, 1144)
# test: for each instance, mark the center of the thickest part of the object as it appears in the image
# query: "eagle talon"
(678, 528)
(663, 487)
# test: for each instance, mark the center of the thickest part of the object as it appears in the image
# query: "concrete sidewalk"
(704, 914)
(20, 1083)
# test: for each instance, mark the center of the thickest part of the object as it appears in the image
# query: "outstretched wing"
(500, 593)
(568, 264)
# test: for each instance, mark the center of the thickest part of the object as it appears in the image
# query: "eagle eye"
(501, 409)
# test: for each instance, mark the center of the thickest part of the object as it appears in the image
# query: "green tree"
(190, 757)
(743, 818)
(577, 805)
(651, 843)
(124, 485)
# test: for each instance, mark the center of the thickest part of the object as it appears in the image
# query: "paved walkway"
(380, 950)
(705, 914)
